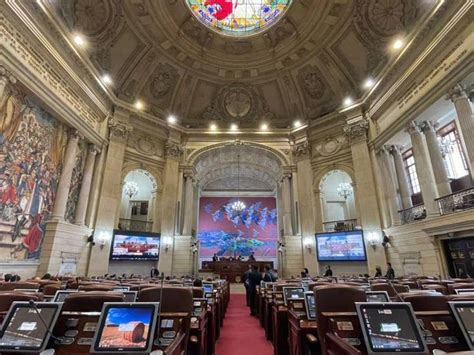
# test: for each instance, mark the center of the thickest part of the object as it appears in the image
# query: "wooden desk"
(232, 271)
(299, 327)
(280, 329)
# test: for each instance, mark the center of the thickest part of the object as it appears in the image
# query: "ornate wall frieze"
(357, 132)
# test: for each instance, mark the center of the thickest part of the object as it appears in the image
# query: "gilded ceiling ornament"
(237, 103)
(313, 85)
(91, 15)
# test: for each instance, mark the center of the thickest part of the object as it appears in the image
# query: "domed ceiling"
(301, 66)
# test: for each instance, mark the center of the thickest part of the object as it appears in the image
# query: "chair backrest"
(336, 298)
(96, 287)
(90, 301)
(454, 286)
(175, 299)
(7, 298)
(10, 286)
(198, 292)
(50, 289)
(436, 287)
(427, 302)
(384, 287)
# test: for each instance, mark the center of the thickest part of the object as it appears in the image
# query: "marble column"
(66, 173)
(286, 199)
(84, 194)
(188, 203)
(389, 183)
(402, 177)
(463, 106)
(437, 159)
(423, 170)
(366, 194)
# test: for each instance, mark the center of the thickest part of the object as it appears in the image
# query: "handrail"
(135, 225)
(457, 201)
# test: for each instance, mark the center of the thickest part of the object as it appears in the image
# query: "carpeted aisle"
(241, 333)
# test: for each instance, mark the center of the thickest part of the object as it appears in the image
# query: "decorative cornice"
(119, 131)
(357, 131)
(173, 151)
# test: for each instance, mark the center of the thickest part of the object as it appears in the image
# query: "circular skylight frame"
(201, 12)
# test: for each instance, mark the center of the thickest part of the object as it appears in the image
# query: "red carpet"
(241, 333)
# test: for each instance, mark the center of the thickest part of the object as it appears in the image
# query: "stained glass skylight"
(238, 17)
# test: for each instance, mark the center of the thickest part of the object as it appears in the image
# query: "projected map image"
(126, 328)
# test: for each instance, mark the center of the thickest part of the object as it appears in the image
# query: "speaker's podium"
(232, 270)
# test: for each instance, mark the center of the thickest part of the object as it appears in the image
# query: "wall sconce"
(102, 239)
(167, 241)
(308, 243)
(373, 239)
(194, 248)
(281, 247)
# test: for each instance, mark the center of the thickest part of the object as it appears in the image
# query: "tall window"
(411, 171)
(450, 144)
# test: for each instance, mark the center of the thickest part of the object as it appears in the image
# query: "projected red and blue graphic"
(226, 233)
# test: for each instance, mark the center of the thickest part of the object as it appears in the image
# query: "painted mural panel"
(227, 233)
(32, 145)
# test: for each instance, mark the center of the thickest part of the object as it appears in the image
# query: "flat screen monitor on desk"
(292, 293)
(130, 296)
(390, 328)
(207, 286)
(125, 327)
(464, 314)
(121, 288)
(310, 305)
(61, 295)
(377, 296)
(464, 291)
(24, 330)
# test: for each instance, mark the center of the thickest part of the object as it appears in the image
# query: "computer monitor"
(310, 305)
(390, 328)
(130, 296)
(121, 288)
(61, 295)
(207, 286)
(464, 291)
(292, 292)
(464, 313)
(24, 330)
(125, 327)
(377, 296)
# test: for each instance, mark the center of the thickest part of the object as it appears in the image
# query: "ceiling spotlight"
(79, 40)
(347, 101)
(139, 105)
(264, 127)
(233, 127)
(368, 83)
(106, 79)
(397, 44)
(171, 119)
(297, 123)
(213, 127)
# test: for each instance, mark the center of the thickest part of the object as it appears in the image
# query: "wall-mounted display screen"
(341, 246)
(127, 245)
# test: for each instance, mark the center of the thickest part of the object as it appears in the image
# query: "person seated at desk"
(251, 258)
(239, 257)
(215, 258)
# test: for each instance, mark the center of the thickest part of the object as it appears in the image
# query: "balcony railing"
(338, 226)
(412, 214)
(458, 201)
(134, 225)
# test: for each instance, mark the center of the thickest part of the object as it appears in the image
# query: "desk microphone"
(32, 304)
(162, 276)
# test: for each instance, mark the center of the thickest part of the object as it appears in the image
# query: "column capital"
(302, 150)
(119, 131)
(385, 149)
(74, 134)
(412, 128)
(6, 75)
(285, 175)
(428, 126)
(457, 92)
(396, 149)
(93, 149)
(357, 131)
(173, 151)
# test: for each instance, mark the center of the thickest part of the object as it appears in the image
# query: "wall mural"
(32, 144)
(227, 233)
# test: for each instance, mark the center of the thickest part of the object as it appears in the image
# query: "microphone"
(32, 304)
(162, 277)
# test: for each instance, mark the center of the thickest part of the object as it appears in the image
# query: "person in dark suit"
(252, 258)
(215, 258)
(268, 275)
(378, 272)
(390, 272)
(254, 280)
(154, 272)
(328, 272)
(245, 279)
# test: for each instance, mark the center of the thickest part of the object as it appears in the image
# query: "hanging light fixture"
(344, 189)
(238, 206)
(130, 187)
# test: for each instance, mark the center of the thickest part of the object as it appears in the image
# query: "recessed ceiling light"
(264, 126)
(213, 127)
(139, 105)
(397, 44)
(106, 79)
(79, 40)
(368, 83)
(297, 123)
(171, 119)
(233, 127)
(347, 101)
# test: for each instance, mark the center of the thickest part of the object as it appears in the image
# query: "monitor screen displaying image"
(377, 296)
(125, 327)
(207, 287)
(390, 328)
(464, 291)
(310, 305)
(61, 295)
(464, 314)
(127, 245)
(24, 330)
(292, 293)
(341, 246)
